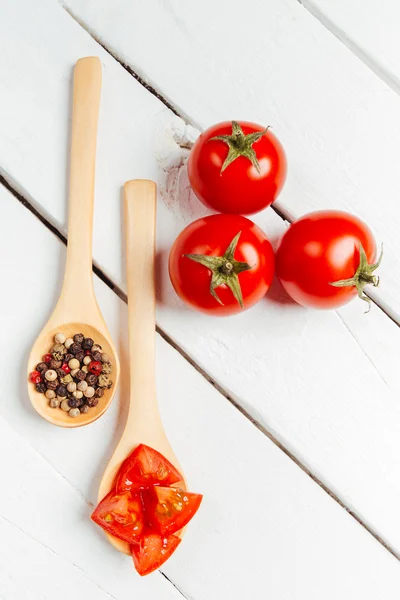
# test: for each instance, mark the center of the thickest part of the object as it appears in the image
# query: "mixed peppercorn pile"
(74, 374)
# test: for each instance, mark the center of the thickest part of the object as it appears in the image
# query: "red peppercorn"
(65, 368)
(47, 358)
(35, 377)
(95, 367)
(87, 352)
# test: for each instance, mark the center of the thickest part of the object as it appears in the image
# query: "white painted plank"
(369, 27)
(301, 374)
(272, 62)
(262, 518)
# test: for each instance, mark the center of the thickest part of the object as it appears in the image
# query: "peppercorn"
(105, 358)
(82, 386)
(84, 409)
(50, 375)
(68, 342)
(67, 357)
(96, 348)
(92, 401)
(52, 385)
(89, 392)
(55, 364)
(91, 379)
(96, 356)
(41, 387)
(74, 412)
(61, 390)
(74, 372)
(46, 358)
(65, 405)
(78, 338)
(95, 367)
(60, 373)
(106, 368)
(50, 394)
(71, 387)
(80, 375)
(80, 356)
(85, 369)
(59, 338)
(104, 381)
(54, 403)
(74, 363)
(75, 348)
(86, 361)
(58, 355)
(73, 402)
(59, 348)
(77, 394)
(42, 366)
(67, 379)
(87, 343)
(99, 392)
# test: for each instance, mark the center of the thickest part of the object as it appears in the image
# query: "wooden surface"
(287, 420)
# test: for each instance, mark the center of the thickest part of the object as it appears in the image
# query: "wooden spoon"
(77, 310)
(144, 422)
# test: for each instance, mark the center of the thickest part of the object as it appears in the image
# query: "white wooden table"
(288, 420)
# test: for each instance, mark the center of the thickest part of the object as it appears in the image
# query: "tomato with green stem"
(221, 264)
(326, 258)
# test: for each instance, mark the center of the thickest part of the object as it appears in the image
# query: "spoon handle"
(140, 216)
(85, 112)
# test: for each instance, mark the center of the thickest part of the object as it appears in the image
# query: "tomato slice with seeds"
(152, 551)
(121, 515)
(170, 509)
(144, 468)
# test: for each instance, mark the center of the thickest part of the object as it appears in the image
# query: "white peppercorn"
(64, 405)
(87, 360)
(82, 386)
(74, 363)
(50, 394)
(71, 387)
(74, 412)
(50, 375)
(96, 348)
(89, 393)
(60, 398)
(68, 342)
(54, 403)
(59, 338)
(85, 369)
(74, 372)
(77, 394)
(105, 358)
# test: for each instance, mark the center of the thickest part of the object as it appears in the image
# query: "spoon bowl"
(143, 424)
(77, 310)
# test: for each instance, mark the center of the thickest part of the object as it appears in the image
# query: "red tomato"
(237, 167)
(219, 277)
(146, 467)
(152, 551)
(325, 258)
(121, 515)
(168, 509)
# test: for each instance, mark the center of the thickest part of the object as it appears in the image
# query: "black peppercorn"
(80, 375)
(68, 357)
(75, 348)
(99, 392)
(92, 401)
(41, 387)
(80, 355)
(60, 373)
(61, 390)
(96, 356)
(55, 364)
(42, 367)
(87, 343)
(73, 402)
(78, 338)
(52, 385)
(91, 379)
(84, 409)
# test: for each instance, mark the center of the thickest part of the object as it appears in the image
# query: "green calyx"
(240, 144)
(224, 270)
(363, 276)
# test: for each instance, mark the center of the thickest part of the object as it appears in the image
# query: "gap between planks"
(233, 401)
(279, 210)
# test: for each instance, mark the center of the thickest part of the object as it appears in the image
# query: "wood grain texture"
(318, 381)
(53, 474)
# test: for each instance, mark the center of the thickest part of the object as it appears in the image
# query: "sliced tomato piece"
(144, 468)
(121, 515)
(152, 551)
(170, 509)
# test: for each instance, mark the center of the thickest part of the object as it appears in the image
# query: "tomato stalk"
(363, 276)
(240, 144)
(224, 270)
